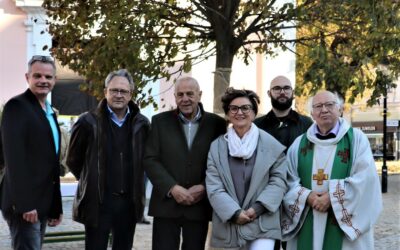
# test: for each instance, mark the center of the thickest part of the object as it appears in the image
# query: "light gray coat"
(267, 186)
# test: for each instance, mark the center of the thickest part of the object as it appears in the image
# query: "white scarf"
(242, 147)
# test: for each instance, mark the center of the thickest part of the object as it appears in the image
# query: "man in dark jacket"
(30, 190)
(176, 162)
(105, 154)
(282, 122)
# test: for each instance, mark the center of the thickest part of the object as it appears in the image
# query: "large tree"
(148, 37)
(361, 60)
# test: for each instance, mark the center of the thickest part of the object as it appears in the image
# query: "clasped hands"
(319, 201)
(188, 196)
(246, 216)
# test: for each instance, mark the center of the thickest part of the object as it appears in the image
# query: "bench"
(66, 236)
(67, 190)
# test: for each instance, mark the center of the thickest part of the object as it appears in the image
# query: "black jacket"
(87, 155)
(169, 161)
(32, 166)
(1, 163)
(287, 131)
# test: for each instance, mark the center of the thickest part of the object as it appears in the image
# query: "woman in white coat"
(245, 179)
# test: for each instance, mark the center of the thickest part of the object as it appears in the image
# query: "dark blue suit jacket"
(31, 179)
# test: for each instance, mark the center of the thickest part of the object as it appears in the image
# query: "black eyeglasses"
(278, 89)
(38, 58)
(244, 108)
(123, 92)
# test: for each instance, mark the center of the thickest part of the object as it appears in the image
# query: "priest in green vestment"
(334, 196)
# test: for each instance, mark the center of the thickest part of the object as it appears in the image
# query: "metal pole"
(384, 167)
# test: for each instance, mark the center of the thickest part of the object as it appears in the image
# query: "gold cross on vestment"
(320, 177)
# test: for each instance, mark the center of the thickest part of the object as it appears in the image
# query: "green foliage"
(354, 38)
(148, 38)
(343, 42)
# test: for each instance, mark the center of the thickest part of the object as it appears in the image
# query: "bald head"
(281, 94)
(280, 81)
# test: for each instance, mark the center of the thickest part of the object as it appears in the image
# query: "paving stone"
(387, 229)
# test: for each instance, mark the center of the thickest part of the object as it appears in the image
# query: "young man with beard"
(282, 121)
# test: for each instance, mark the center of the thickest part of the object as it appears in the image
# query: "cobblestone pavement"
(387, 230)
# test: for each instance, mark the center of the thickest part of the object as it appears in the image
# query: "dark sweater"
(119, 163)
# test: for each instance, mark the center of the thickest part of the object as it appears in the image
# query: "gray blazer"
(267, 186)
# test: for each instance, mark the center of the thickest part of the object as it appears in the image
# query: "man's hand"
(30, 216)
(322, 202)
(182, 195)
(198, 192)
(311, 198)
(319, 201)
(243, 218)
(54, 222)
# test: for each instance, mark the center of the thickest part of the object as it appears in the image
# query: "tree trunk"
(221, 14)
(221, 83)
(222, 76)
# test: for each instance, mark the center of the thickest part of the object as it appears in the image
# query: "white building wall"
(12, 50)
(22, 23)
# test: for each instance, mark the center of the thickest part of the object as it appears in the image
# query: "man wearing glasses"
(105, 155)
(334, 196)
(30, 193)
(282, 122)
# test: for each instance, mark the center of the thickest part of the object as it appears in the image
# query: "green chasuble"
(341, 169)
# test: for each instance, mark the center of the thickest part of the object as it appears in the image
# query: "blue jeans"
(25, 235)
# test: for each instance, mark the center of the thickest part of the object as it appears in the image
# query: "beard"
(282, 105)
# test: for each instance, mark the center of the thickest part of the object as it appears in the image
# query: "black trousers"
(279, 244)
(167, 234)
(117, 215)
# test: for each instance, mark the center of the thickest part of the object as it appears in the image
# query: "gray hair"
(42, 59)
(187, 79)
(339, 100)
(123, 73)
